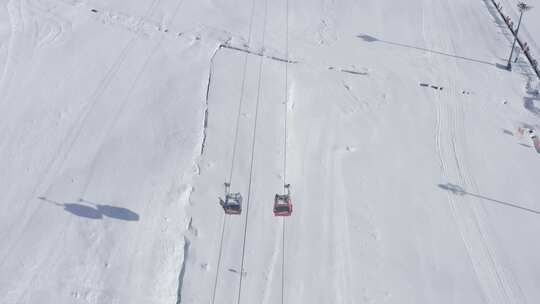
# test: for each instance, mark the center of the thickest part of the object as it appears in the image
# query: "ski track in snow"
(207, 262)
(494, 281)
(55, 165)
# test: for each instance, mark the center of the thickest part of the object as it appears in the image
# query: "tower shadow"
(76, 209)
(458, 190)
(371, 39)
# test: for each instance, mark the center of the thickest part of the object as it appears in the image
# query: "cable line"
(218, 266)
(283, 262)
(240, 102)
(242, 89)
(285, 146)
(252, 154)
(286, 93)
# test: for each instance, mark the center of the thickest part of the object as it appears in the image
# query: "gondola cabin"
(232, 203)
(282, 205)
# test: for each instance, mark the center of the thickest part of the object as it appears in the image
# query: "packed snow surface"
(410, 151)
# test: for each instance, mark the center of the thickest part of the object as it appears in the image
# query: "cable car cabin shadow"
(91, 210)
(119, 213)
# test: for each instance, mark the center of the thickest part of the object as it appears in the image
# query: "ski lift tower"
(523, 7)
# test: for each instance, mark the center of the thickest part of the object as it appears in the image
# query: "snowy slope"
(530, 27)
(410, 180)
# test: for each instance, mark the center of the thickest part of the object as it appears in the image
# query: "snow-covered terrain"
(413, 174)
(529, 30)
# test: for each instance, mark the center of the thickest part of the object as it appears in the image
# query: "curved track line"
(473, 234)
(502, 279)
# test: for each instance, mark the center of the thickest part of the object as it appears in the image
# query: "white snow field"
(413, 175)
(530, 27)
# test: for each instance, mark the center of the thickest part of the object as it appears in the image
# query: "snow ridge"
(187, 244)
(205, 124)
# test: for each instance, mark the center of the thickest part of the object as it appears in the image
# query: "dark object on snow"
(233, 201)
(282, 203)
(455, 189)
(94, 10)
(536, 143)
(118, 213)
(508, 132)
(424, 84)
(367, 38)
(82, 211)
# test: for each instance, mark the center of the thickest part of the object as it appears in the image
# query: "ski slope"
(121, 120)
(529, 30)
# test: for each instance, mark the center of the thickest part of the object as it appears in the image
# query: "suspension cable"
(239, 297)
(224, 216)
(218, 266)
(242, 89)
(286, 93)
(283, 261)
(285, 110)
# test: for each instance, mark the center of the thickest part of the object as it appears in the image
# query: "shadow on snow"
(92, 210)
(529, 102)
(368, 38)
(458, 190)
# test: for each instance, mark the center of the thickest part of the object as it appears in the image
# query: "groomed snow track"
(393, 121)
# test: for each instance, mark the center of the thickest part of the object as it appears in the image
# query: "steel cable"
(240, 102)
(252, 155)
(285, 146)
